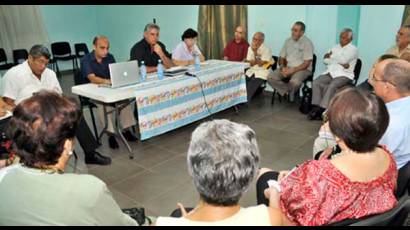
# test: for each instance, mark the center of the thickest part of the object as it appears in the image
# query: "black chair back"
(3, 57)
(314, 64)
(60, 49)
(403, 181)
(394, 217)
(18, 55)
(356, 71)
(78, 78)
(275, 65)
(81, 49)
(310, 77)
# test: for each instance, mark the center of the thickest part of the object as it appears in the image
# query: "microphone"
(190, 74)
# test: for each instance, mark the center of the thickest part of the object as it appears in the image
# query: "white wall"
(377, 30)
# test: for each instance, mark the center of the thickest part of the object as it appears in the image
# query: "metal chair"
(19, 55)
(62, 51)
(394, 217)
(3, 59)
(356, 71)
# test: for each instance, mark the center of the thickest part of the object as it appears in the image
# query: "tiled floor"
(157, 177)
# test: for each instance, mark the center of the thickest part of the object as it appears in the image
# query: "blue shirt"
(397, 135)
(90, 65)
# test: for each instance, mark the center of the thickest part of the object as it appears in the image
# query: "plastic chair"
(3, 58)
(356, 71)
(62, 51)
(403, 181)
(81, 49)
(18, 55)
(394, 217)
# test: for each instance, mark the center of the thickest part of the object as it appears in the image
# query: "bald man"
(94, 69)
(260, 59)
(391, 82)
(237, 48)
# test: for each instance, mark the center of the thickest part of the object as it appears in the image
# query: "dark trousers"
(262, 184)
(252, 85)
(86, 138)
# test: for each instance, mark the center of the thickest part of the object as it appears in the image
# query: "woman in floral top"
(360, 181)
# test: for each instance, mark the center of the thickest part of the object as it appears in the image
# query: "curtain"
(406, 15)
(20, 28)
(216, 27)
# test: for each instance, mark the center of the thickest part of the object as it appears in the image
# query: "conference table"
(167, 104)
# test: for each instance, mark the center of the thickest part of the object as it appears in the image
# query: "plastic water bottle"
(197, 62)
(143, 70)
(160, 70)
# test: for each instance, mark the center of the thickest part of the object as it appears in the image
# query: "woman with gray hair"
(223, 160)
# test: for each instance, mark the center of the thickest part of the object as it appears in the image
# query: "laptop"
(123, 73)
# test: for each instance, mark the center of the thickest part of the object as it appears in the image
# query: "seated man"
(150, 50)
(340, 61)
(402, 46)
(21, 81)
(184, 53)
(295, 63)
(237, 49)
(94, 68)
(391, 82)
(260, 59)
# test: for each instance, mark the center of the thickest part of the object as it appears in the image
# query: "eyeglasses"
(374, 79)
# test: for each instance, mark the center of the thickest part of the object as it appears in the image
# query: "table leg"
(119, 130)
(105, 122)
(235, 107)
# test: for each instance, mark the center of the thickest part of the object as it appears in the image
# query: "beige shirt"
(394, 50)
(265, 54)
(34, 197)
(296, 52)
(251, 216)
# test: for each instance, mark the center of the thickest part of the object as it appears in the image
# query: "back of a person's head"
(359, 118)
(397, 72)
(223, 159)
(189, 33)
(40, 125)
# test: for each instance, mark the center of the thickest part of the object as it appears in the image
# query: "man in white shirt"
(340, 61)
(295, 63)
(260, 59)
(21, 81)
